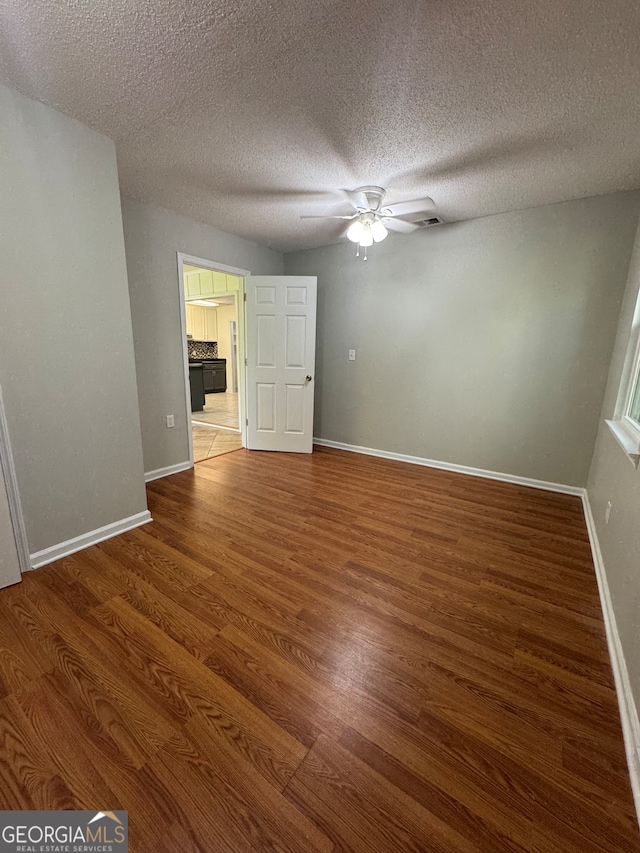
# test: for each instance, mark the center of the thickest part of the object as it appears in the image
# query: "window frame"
(625, 429)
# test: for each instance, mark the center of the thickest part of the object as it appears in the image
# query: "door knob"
(309, 378)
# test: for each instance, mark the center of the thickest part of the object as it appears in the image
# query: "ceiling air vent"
(429, 223)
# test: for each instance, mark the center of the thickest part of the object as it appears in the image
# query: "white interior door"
(281, 342)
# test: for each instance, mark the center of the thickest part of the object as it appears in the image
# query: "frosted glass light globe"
(378, 231)
(366, 238)
(355, 231)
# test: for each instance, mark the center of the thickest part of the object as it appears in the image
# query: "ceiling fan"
(371, 221)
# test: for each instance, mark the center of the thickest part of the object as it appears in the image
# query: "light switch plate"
(352, 355)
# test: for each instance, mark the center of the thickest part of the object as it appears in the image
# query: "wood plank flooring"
(321, 653)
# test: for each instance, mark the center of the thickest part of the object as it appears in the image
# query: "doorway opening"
(212, 302)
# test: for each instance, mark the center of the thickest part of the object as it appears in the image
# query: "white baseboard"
(626, 703)
(78, 543)
(165, 472)
(450, 466)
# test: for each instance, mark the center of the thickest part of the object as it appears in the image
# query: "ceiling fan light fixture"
(355, 230)
(369, 217)
(366, 238)
(366, 230)
(378, 231)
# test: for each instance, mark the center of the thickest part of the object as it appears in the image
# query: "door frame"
(7, 468)
(207, 264)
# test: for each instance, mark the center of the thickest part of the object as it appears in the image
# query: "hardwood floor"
(323, 653)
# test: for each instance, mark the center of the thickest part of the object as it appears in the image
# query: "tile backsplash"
(202, 349)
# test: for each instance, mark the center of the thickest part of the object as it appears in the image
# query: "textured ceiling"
(247, 114)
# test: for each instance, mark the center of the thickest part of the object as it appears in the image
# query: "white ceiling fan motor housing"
(374, 196)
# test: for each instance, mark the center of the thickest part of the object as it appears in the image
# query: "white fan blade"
(357, 200)
(405, 208)
(399, 225)
(351, 216)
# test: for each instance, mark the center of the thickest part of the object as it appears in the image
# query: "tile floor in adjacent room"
(220, 409)
(208, 442)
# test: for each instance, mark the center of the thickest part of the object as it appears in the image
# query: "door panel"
(266, 407)
(281, 332)
(294, 409)
(296, 340)
(296, 295)
(266, 330)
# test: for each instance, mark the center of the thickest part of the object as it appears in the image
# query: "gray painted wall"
(613, 478)
(152, 238)
(66, 352)
(483, 343)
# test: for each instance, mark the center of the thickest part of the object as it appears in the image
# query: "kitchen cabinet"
(195, 321)
(215, 375)
(196, 384)
(211, 324)
(191, 284)
(205, 283)
(202, 323)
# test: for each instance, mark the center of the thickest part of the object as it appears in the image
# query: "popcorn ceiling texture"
(246, 114)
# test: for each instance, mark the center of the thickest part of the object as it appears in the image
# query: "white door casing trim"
(208, 264)
(182, 258)
(13, 495)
